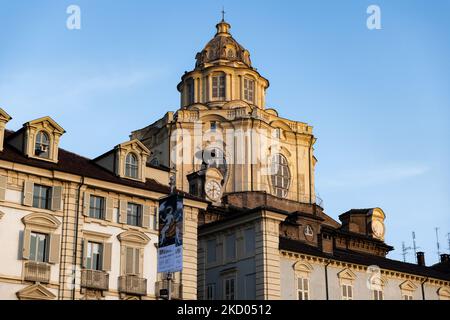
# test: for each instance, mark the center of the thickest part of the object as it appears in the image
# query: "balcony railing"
(94, 279)
(37, 272)
(176, 289)
(132, 284)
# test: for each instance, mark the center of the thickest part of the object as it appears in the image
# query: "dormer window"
(131, 166)
(42, 146)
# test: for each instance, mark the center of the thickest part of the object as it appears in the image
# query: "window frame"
(43, 201)
(305, 294)
(218, 87)
(36, 247)
(345, 290)
(138, 215)
(249, 90)
(231, 295)
(132, 169)
(280, 172)
(90, 253)
(377, 294)
(101, 210)
(210, 291)
(39, 143)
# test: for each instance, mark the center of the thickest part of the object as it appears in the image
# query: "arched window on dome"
(281, 176)
(218, 86)
(249, 90)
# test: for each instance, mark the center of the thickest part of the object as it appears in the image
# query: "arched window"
(131, 166)
(281, 177)
(42, 146)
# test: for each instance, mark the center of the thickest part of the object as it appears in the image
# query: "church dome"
(223, 49)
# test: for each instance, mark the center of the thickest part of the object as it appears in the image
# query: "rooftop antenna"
(405, 250)
(414, 245)
(437, 243)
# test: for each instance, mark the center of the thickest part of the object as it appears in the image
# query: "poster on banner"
(170, 250)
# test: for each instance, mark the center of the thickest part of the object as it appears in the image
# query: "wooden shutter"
(156, 219)
(129, 260)
(56, 198)
(3, 185)
(123, 211)
(107, 253)
(85, 252)
(137, 261)
(28, 189)
(53, 256)
(109, 209)
(86, 204)
(26, 244)
(146, 217)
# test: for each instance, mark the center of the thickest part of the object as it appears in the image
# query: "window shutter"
(54, 248)
(123, 211)
(85, 253)
(3, 184)
(109, 209)
(86, 204)
(56, 198)
(137, 260)
(156, 219)
(129, 260)
(107, 252)
(26, 244)
(146, 217)
(28, 188)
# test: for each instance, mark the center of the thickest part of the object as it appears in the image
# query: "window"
(303, 289)
(133, 258)
(190, 91)
(211, 251)
(97, 207)
(407, 297)
(134, 214)
(42, 146)
(218, 87)
(211, 291)
(38, 247)
(347, 292)
(229, 288)
(249, 235)
(231, 247)
(213, 126)
(281, 176)
(377, 295)
(131, 166)
(42, 197)
(249, 90)
(277, 133)
(94, 256)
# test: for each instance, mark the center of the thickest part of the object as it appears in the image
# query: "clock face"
(213, 190)
(378, 228)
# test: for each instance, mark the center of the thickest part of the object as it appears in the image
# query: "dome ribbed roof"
(223, 49)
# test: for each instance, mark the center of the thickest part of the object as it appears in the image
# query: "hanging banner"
(170, 250)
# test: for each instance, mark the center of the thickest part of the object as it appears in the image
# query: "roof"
(363, 259)
(73, 163)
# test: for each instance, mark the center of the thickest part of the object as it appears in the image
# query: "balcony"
(176, 288)
(131, 284)
(37, 272)
(94, 279)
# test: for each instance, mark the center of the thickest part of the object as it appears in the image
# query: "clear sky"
(379, 100)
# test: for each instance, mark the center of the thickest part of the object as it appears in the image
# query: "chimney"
(421, 259)
(445, 258)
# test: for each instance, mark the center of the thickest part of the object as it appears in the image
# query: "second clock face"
(378, 228)
(213, 190)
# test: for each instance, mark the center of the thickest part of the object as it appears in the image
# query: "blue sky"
(379, 100)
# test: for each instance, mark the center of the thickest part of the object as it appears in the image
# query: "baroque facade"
(78, 228)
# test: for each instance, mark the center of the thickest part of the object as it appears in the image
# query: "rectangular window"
(38, 247)
(230, 247)
(213, 126)
(347, 292)
(97, 207)
(94, 256)
(42, 197)
(377, 295)
(407, 297)
(133, 259)
(211, 251)
(190, 91)
(230, 287)
(303, 288)
(218, 87)
(249, 235)
(134, 214)
(211, 291)
(249, 90)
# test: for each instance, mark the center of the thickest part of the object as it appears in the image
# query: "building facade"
(254, 227)
(74, 228)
